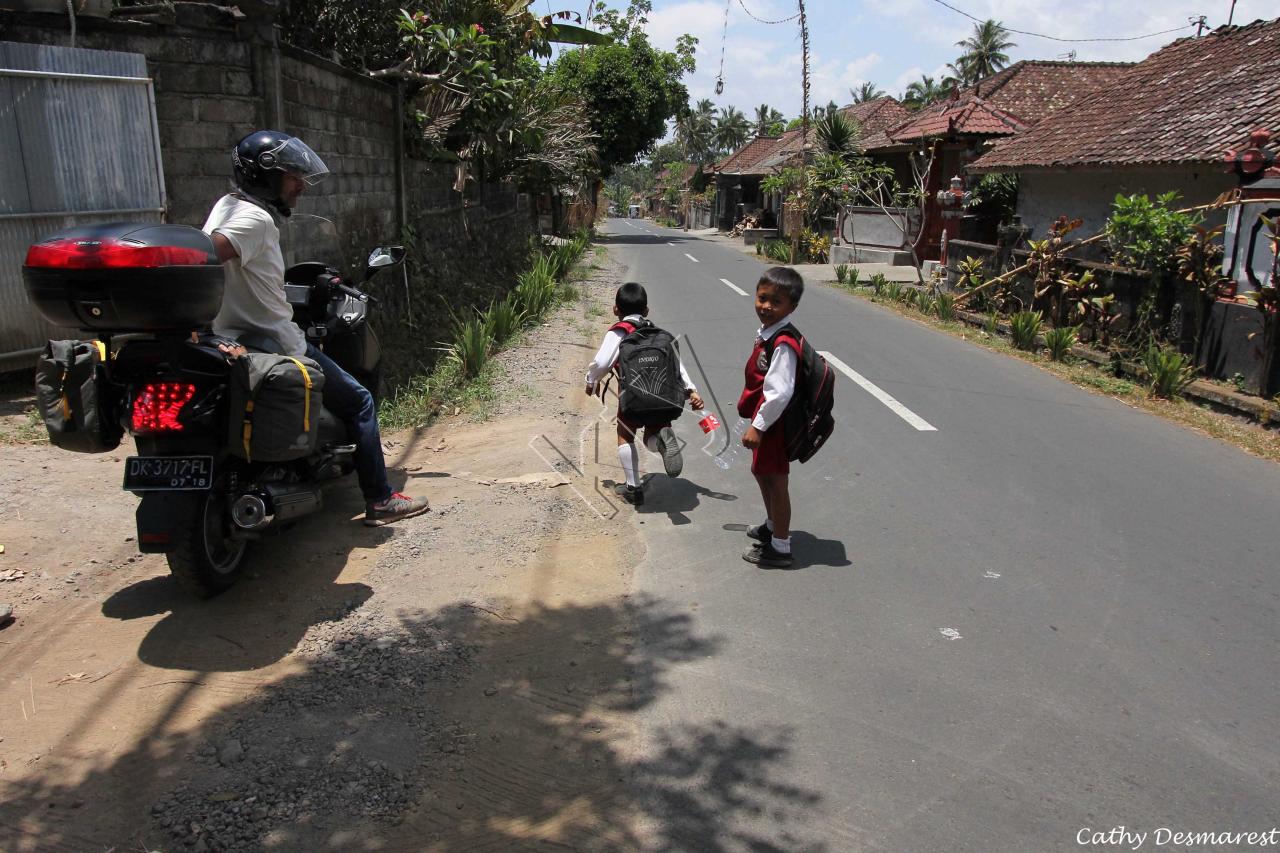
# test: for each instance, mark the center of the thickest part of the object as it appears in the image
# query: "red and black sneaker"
(394, 508)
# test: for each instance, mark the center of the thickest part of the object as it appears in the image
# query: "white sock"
(782, 546)
(630, 463)
(651, 442)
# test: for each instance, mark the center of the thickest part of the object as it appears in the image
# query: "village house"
(1161, 125)
(944, 138)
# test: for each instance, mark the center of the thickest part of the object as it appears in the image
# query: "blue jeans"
(353, 404)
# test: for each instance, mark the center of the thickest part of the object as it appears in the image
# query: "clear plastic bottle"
(726, 458)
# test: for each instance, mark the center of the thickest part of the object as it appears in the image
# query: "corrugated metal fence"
(79, 144)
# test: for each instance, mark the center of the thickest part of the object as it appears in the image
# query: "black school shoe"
(669, 448)
(633, 495)
(765, 556)
(760, 533)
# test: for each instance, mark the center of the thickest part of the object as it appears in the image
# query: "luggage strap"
(306, 404)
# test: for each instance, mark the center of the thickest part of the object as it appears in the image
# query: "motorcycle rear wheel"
(207, 561)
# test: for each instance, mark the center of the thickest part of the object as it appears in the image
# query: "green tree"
(629, 87)
(984, 51)
(732, 130)
(866, 92)
(695, 131)
(769, 122)
(923, 92)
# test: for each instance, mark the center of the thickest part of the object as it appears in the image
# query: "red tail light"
(156, 406)
(91, 254)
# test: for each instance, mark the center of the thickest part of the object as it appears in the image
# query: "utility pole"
(1232, 14)
(1200, 24)
(804, 135)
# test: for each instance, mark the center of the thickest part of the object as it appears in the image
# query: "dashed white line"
(734, 287)
(884, 397)
(691, 257)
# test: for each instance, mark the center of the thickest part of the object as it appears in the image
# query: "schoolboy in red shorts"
(770, 384)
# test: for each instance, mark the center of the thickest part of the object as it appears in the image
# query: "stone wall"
(218, 76)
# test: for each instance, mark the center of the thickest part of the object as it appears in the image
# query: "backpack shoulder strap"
(789, 335)
(623, 326)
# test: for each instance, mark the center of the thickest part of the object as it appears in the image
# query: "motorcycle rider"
(271, 170)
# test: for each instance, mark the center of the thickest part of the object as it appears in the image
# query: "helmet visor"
(296, 158)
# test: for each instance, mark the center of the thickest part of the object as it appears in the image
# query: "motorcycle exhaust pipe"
(256, 511)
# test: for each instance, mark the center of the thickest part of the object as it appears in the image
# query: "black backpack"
(650, 389)
(807, 422)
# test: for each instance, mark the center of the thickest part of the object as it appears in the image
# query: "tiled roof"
(1006, 103)
(743, 161)
(877, 115)
(1186, 103)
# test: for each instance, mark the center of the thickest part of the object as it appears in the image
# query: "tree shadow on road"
(465, 728)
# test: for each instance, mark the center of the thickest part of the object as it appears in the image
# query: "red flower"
(479, 29)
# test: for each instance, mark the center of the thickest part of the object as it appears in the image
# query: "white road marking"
(691, 257)
(734, 287)
(673, 244)
(992, 575)
(950, 633)
(884, 397)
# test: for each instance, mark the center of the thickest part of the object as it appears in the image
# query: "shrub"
(945, 306)
(1169, 372)
(910, 295)
(535, 290)
(892, 290)
(1059, 341)
(1023, 327)
(853, 276)
(878, 281)
(471, 345)
(842, 273)
(778, 251)
(503, 319)
(1147, 234)
(925, 303)
(991, 325)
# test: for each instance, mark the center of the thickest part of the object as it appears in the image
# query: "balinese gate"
(79, 144)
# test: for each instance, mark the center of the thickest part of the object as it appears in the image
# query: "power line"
(1058, 38)
(762, 20)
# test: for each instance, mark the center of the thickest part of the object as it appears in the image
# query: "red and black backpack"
(807, 422)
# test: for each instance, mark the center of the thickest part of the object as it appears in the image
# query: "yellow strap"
(248, 431)
(102, 350)
(306, 406)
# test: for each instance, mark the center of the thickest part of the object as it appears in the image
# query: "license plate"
(168, 473)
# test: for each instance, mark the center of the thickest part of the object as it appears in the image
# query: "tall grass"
(472, 344)
(945, 307)
(504, 319)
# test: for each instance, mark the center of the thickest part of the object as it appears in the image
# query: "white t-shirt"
(254, 300)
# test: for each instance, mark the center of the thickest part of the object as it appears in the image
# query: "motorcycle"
(201, 504)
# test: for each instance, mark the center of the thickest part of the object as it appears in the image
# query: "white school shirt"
(607, 357)
(254, 300)
(779, 381)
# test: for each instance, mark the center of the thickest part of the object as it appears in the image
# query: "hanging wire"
(762, 20)
(1057, 38)
(724, 37)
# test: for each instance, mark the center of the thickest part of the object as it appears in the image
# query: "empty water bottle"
(727, 457)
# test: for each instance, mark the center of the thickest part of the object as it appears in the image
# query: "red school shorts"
(771, 456)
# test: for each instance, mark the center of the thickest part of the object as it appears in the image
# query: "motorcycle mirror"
(386, 256)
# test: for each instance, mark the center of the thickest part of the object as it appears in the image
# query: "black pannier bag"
(79, 404)
(274, 407)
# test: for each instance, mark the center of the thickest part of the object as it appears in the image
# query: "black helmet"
(263, 156)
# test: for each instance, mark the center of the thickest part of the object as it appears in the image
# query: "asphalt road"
(1047, 614)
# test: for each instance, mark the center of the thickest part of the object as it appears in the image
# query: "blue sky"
(893, 43)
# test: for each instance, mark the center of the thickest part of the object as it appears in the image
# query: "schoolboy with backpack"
(652, 387)
(788, 395)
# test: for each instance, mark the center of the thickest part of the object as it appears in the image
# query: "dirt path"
(462, 681)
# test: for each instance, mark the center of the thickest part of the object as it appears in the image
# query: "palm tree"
(838, 134)
(695, 131)
(731, 129)
(769, 122)
(866, 92)
(984, 51)
(923, 92)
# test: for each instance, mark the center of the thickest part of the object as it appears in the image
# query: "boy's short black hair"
(785, 278)
(631, 299)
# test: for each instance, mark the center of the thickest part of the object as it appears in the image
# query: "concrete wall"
(1088, 194)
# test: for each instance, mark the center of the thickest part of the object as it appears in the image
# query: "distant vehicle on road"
(633, 212)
